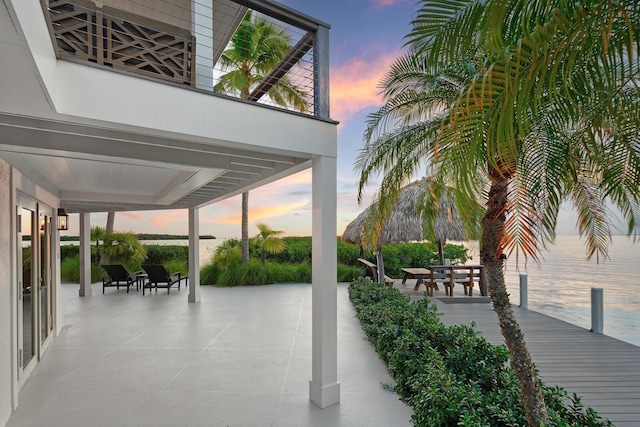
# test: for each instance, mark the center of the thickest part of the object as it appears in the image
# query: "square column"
(324, 389)
(85, 254)
(194, 255)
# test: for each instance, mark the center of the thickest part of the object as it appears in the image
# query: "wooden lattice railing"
(122, 40)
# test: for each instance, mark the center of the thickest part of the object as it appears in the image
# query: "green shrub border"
(450, 375)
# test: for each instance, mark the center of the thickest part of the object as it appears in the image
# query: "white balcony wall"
(94, 94)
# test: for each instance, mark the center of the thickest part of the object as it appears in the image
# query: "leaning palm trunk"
(245, 227)
(492, 225)
(111, 219)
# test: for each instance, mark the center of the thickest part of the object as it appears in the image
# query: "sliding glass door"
(35, 283)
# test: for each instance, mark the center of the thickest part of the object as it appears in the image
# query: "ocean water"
(560, 286)
(206, 246)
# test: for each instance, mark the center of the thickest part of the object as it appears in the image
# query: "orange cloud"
(303, 177)
(133, 216)
(261, 212)
(169, 217)
(354, 85)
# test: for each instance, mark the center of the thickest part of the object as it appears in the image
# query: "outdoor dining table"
(465, 274)
(419, 273)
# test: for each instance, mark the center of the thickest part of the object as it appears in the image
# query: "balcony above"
(193, 43)
(114, 110)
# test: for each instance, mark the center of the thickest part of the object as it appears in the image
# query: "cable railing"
(195, 43)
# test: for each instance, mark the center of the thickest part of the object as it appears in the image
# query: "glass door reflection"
(44, 279)
(28, 313)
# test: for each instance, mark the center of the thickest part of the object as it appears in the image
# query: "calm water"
(207, 246)
(561, 286)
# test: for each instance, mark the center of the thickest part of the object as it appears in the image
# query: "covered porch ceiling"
(98, 169)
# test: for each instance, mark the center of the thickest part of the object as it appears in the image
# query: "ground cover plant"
(450, 375)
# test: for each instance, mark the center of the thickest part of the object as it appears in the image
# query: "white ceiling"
(80, 164)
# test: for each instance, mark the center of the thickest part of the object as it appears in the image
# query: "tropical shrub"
(160, 254)
(177, 266)
(70, 270)
(348, 273)
(450, 375)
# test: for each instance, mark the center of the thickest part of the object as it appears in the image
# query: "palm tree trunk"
(440, 252)
(245, 227)
(111, 219)
(380, 264)
(491, 256)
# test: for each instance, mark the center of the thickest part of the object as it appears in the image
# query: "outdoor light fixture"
(63, 219)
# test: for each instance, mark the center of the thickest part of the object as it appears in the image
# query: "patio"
(241, 357)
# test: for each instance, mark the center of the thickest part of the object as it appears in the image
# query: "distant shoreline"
(147, 237)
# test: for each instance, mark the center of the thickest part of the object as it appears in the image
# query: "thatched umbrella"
(405, 224)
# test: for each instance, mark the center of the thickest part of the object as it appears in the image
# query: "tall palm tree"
(539, 104)
(256, 48)
(269, 241)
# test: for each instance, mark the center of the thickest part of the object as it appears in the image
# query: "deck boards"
(603, 370)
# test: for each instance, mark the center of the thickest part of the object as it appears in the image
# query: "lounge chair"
(159, 277)
(119, 276)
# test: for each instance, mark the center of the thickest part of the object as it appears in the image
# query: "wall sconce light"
(63, 219)
(42, 222)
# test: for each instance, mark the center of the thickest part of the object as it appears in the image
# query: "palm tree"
(117, 246)
(538, 104)
(256, 48)
(268, 241)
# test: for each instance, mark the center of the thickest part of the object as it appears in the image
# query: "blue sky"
(365, 37)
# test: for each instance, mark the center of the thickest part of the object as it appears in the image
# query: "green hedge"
(450, 375)
(396, 256)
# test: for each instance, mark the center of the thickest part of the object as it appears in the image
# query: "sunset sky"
(365, 37)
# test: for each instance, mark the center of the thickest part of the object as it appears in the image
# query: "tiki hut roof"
(448, 225)
(404, 223)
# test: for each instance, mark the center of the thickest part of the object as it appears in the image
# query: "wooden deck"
(603, 370)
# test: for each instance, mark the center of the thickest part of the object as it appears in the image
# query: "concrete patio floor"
(241, 357)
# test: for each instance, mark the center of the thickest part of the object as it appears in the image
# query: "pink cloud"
(354, 85)
(132, 216)
(385, 3)
(258, 213)
(166, 218)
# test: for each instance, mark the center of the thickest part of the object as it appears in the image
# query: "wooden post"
(524, 297)
(597, 321)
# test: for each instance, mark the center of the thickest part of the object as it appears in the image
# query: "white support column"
(202, 14)
(85, 254)
(194, 255)
(324, 389)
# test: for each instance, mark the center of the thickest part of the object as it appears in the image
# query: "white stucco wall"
(6, 339)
